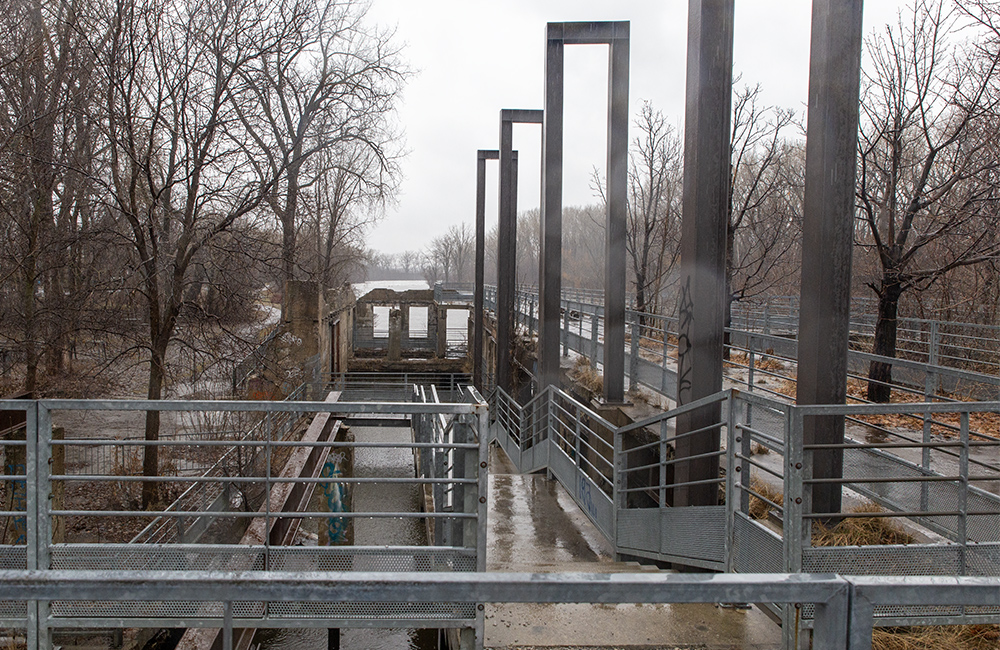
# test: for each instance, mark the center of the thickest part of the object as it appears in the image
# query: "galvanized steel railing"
(929, 469)
(50, 543)
(843, 605)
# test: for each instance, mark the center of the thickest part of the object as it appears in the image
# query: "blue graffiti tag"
(336, 500)
(586, 500)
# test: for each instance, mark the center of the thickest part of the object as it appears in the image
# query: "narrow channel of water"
(369, 497)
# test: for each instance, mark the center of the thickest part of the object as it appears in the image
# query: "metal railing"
(919, 471)
(239, 528)
(843, 606)
(759, 361)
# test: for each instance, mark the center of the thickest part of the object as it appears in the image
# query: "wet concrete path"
(535, 526)
(373, 462)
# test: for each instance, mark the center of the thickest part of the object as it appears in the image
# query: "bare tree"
(329, 87)
(765, 199)
(44, 140)
(178, 167)
(450, 255)
(928, 169)
(654, 183)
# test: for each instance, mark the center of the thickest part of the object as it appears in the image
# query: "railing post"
(792, 524)
(42, 536)
(933, 341)
(483, 485)
(745, 449)
(593, 337)
(963, 493)
(731, 500)
(831, 620)
(751, 346)
(663, 373)
(618, 496)
(861, 620)
(565, 329)
(633, 366)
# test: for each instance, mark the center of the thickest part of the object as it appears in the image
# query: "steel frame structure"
(616, 36)
(507, 238)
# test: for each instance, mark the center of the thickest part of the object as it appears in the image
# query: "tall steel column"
(703, 244)
(827, 232)
(616, 36)
(482, 156)
(507, 239)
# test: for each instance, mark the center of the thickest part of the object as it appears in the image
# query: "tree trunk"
(880, 372)
(287, 256)
(150, 454)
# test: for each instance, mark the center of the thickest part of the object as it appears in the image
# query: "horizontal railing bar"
(760, 466)
(680, 410)
(884, 479)
(104, 478)
(893, 513)
(760, 496)
(914, 408)
(358, 586)
(757, 433)
(252, 515)
(661, 486)
(891, 445)
(449, 408)
(245, 442)
(674, 461)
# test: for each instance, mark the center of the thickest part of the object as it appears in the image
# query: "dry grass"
(985, 422)
(742, 360)
(759, 450)
(941, 637)
(585, 375)
(758, 507)
(861, 531)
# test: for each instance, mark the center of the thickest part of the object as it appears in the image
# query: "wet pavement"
(371, 462)
(535, 526)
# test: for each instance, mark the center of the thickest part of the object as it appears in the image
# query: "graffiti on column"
(336, 494)
(686, 313)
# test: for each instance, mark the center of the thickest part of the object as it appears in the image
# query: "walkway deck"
(535, 526)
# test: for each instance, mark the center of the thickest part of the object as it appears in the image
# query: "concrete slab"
(535, 526)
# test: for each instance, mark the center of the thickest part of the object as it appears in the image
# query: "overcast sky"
(474, 57)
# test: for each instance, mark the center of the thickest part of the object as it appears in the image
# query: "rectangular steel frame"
(616, 36)
(507, 240)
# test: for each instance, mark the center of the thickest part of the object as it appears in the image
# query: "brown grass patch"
(588, 377)
(861, 531)
(758, 507)
(939, 637)
(760, 362)
(983, 422)
(759, 450)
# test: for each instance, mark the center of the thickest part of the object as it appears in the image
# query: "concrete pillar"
(442, 332)
(507, 240)
(703, 241)
(404, 325)
(395, 334)
(477, 309)
(827, 233)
